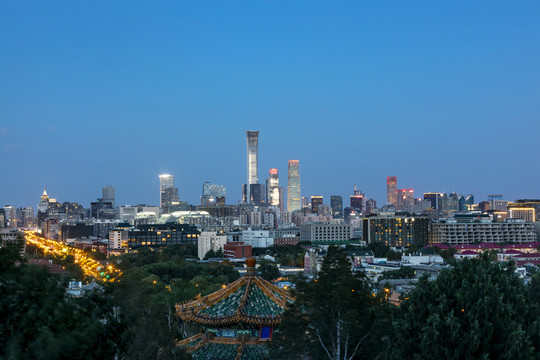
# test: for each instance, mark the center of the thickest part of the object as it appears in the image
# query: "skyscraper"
(272, 188)
(213, 194)
(316, 200)
(294, 196)
(252, 140)
(391, 190)
(434, 199)
(109, 195)
(336, 206)
(167, 192)
(405, 200)
(371, 205)
(357, 203)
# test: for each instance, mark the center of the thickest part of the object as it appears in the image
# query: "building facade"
(252, 142)
(272, 188)
(210, 240)
(109, 195)
(396, 229)
(469, 229)
(336, 206)
(168, 194)
(294, 196)
(316, 200)
(391, 190)
(320, 232)
(213, 194)
(160, 235)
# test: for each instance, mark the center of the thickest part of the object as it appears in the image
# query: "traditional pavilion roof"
(202, 349)
(248, 300)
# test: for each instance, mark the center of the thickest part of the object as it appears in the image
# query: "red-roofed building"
(467, 254)
(49, 266)
(531, 247)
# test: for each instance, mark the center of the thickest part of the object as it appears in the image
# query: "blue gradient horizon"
(444, 96)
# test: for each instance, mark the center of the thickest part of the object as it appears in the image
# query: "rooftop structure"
(238, 319)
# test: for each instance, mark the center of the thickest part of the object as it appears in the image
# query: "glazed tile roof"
(249, 299)
(230, 351)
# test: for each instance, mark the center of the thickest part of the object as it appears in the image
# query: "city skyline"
(357, 92)
(326, 196)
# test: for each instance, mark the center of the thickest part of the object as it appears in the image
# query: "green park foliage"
(334, 316)
(478, 309)
(40, 322)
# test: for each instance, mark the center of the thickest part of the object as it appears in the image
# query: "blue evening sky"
(444, 95)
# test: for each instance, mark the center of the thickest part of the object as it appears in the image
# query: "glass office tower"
(294, 197)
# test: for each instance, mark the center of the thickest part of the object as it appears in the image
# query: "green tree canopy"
(39, 321)
(333, 317)
(269, 270)
(479, 309)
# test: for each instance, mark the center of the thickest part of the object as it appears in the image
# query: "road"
(90, 267)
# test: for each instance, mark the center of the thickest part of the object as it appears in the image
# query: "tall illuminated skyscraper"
(294, 197)
(168, 194)
(391, 190)
(252, 140)
(272, 188)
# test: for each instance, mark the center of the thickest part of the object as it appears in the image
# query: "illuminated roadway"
(89, 266)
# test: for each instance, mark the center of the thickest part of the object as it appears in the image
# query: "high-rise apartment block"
(294, 196)
(391, 190)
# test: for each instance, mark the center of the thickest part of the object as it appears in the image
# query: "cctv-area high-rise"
(252, 190)
(272, 188)
(294, 197)
(168, 194)
(109, 195)
(391, 190)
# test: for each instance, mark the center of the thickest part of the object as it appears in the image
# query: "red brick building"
(237, 250)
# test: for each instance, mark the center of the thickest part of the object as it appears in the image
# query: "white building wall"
(210, 240)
